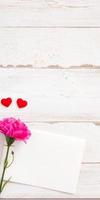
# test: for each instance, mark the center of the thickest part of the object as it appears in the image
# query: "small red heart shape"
(6, 102)
(21, 103)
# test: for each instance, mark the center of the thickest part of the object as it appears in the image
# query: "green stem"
(4, 168)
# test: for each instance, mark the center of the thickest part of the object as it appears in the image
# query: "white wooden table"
(50, 55)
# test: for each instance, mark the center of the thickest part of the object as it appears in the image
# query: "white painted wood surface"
(49, 86)
(53, 49)
(50, 47)
(49, 13)
(58, 95)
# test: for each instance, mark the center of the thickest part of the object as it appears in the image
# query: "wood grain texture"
(53, 49)
(50, 13)
(50, 48)
(51, 84)
(53, 95)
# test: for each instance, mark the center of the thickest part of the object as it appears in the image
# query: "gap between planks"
(29, 66)
(96, 123)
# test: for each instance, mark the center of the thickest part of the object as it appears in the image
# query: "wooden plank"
(50, 48)
(88, 187)
(53, 95)
(50, 13)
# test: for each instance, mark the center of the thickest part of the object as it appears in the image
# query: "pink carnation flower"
(15, 129)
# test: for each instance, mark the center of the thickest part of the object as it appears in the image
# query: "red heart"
(21, 103)
(6, 102)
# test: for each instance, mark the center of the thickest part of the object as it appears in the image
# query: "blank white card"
(48, 160)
